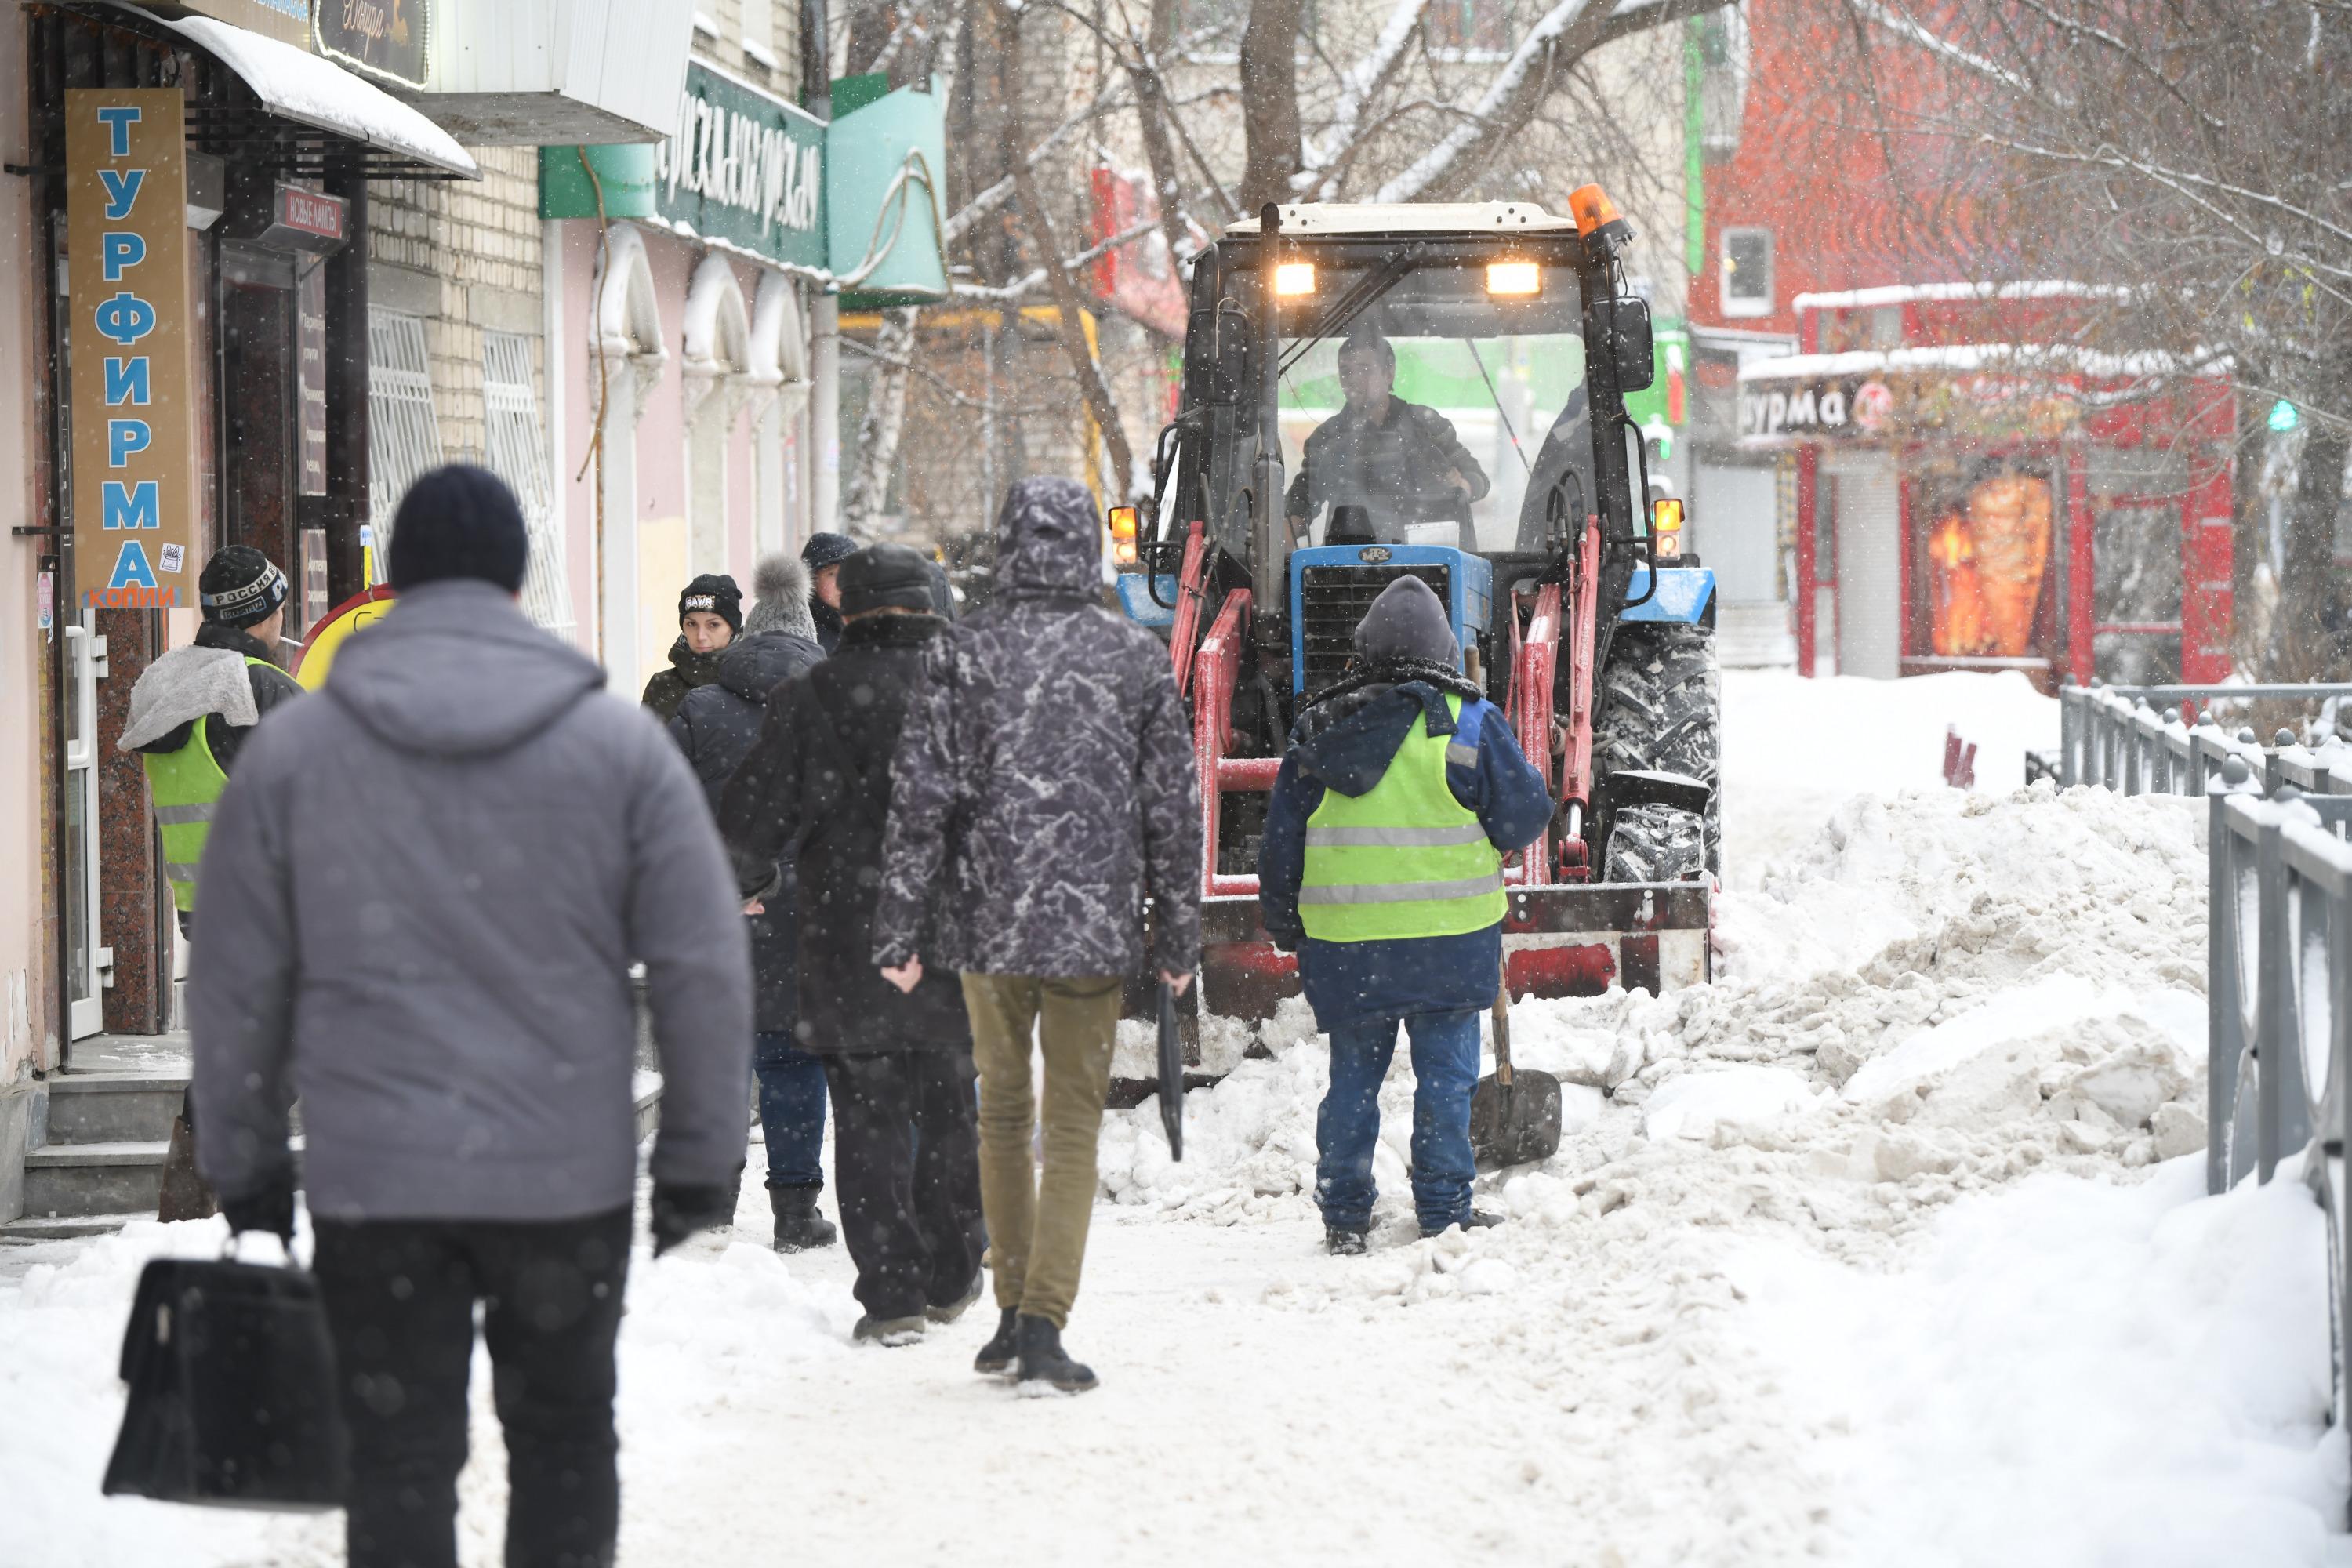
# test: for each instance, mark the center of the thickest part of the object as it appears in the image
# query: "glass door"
(89, 966)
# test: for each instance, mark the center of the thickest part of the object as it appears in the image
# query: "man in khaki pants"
(1043, 789)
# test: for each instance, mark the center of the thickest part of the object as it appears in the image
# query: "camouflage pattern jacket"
(1044, 785)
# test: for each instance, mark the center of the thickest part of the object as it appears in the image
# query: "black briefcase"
(233, 1395)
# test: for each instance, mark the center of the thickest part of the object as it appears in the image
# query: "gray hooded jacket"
(1044, 785)
(422, 898)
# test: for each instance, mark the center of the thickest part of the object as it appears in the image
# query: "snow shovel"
(1171, 1076)
(1514, 1115)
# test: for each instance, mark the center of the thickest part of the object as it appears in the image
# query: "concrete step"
(113, 1107)
(78, 1183)
(70, 1181)
(25, 1231)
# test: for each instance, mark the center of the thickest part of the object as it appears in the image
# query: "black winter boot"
(1341, 1243)
(1477, 1219)
(799, 1226)
(1042, 1360)
(1002, 1348)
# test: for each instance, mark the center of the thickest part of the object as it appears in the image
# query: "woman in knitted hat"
(710, 614)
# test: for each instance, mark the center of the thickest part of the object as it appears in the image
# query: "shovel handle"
(1502, 1036)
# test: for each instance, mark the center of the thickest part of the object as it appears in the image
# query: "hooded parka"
(420, 915)
(1044, 785)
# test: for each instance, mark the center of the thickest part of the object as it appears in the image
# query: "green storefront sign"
(746, 168)
(743, 167)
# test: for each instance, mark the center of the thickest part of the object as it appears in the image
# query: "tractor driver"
(1399, 461)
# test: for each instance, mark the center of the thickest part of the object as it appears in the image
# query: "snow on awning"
(303, 87)
(2013, 359)
(1956, 293)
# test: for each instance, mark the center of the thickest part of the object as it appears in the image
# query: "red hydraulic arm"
(1545, 734)
(1214, 674)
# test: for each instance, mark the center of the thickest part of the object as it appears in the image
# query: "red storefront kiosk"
(1972, 492)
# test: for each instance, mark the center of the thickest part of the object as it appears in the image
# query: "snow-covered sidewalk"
(1889, 1247)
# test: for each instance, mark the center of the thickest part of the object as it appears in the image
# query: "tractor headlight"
(1667, 526)
(1514, 280)
(1293, 278)
(1123, 525)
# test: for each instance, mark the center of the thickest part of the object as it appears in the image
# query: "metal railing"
(2279, 1008)
(2134, 739)
(2278, 1043)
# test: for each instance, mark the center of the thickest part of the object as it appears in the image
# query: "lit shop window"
(1747, 271)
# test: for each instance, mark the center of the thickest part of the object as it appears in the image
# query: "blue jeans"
(792, 1110)
(1348, 1128)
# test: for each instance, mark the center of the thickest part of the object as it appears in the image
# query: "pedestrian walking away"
(716, 726)
(900, 1066)
(1381, 868)
(822, 556)
(423, 894)
(1043, 790)
(191, 712)
(710, 614)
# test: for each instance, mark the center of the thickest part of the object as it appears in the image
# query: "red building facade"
(1947, 492)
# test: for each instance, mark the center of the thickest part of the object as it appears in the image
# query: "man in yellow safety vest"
(190, 713)
(1382, 867)
(193, 707)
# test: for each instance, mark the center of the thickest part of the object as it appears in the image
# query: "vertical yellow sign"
(134, 472)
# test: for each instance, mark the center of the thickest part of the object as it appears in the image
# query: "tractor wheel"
(1659, 708)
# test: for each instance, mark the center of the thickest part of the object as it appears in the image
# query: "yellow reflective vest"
(185, 786)
(1406, 859)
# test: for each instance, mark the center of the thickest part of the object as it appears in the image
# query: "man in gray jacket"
(422, 897)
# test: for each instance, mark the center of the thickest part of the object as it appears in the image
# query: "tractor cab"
(1370, 390)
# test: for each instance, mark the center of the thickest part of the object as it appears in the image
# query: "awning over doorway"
(294, 85)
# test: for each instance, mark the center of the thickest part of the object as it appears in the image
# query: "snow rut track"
(1940, 995)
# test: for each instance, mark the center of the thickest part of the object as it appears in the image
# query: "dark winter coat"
(687, 671)
(421, 913)
(716, 726)
(819, 779)
(1345, 743)
(828, 623)
(271, 687)
(1044, 785)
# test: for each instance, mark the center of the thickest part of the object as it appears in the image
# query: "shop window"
(1984, 534)
(517, 452)
(1723, 62)
(404, 432)
(2135, 590)
(1747, 271)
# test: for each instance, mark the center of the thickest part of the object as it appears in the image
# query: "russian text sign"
(134, 473)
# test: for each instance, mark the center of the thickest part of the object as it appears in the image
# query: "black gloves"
(270, 1207)
(679, 1212)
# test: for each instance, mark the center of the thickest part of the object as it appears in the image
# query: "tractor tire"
(1660, 707)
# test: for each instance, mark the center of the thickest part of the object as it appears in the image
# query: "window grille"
(404, 433)
(517, 454)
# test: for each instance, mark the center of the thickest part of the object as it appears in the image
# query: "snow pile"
(1942, 991)
(2072, 1374)
(1795, 750)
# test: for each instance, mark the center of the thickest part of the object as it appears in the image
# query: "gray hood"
(188, 683)
(1049, 539)
(456, 669)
